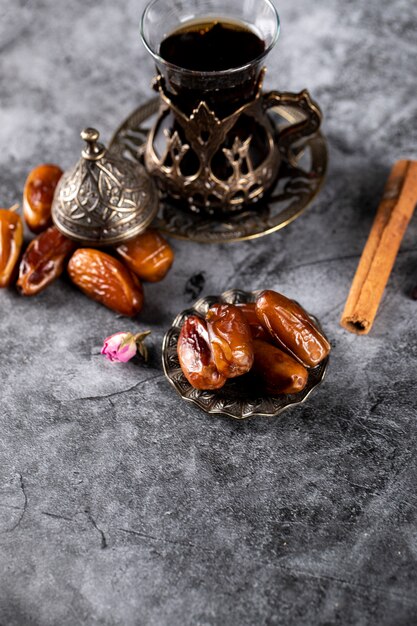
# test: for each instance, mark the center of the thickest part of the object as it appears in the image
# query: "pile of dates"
(112, 278)
(273, 339)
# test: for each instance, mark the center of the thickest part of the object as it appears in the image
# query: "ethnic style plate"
(240, 397)
(295, 189)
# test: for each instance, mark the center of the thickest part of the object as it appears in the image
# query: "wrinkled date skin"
(256, 328)
(11, 241)
(231, 339)
(276, 370)
(196, 357)
(106, 280)
(291, 328)
(43, 261)
(148, 255)
(38, 195)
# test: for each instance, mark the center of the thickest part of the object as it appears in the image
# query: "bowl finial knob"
(94, 150)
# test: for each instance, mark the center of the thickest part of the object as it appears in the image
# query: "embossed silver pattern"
(298, 184)
(239, 398)
(104, 200)
(206, 136)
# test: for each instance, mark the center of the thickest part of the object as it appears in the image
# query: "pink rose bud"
(123, 346)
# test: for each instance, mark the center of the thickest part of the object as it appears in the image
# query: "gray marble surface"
(121, 504)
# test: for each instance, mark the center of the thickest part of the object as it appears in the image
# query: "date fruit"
(38, 195)
(276, 370)
(256, 328)
(11, 241)
(231, 339)
(148, 255)
(196, 357)
(43, 261)
(106, 280)
(291, 328)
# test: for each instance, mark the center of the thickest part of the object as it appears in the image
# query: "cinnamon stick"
(380, 251)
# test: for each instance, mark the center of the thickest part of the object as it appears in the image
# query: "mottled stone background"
(119, 503)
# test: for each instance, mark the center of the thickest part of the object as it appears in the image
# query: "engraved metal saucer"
(239, 398)
(295, 189)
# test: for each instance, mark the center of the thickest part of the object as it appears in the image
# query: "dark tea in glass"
(213, 46)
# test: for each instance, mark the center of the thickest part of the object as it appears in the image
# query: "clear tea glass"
(214, 146)
(221, 90)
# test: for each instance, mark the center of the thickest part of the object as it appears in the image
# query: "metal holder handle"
(291, 135)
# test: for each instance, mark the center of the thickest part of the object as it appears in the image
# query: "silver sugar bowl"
(103, 200)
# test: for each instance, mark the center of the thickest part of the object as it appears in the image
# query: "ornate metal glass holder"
(218, 165)
(298, 183)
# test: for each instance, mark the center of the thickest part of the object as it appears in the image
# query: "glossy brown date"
(256, 328)
(196, 357)
(106, 280)
(38, 194)
(43, 261)
(291, 328)
(231, 339)
(148, 255)
(276, 370)
(11, 240)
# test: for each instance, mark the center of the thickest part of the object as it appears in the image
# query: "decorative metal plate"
(295, 189)
(239, 398)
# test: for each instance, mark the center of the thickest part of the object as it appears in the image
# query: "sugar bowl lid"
(104, 199)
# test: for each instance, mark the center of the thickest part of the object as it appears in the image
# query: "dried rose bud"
(121, 347)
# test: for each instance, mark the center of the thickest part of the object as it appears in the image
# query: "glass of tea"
(214, 146)
(210, 50)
